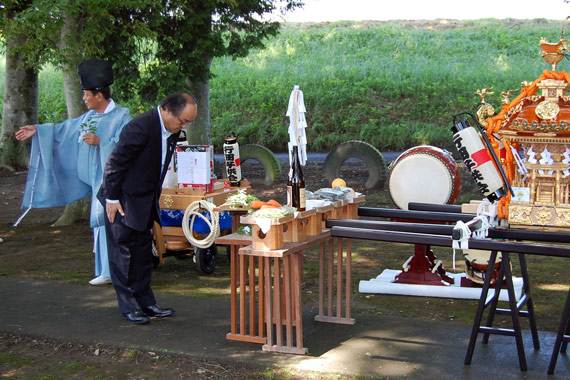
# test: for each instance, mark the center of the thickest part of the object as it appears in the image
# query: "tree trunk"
(199, 132)
(20, 107)
(75, 107)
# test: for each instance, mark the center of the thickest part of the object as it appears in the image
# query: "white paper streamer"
(463, 242)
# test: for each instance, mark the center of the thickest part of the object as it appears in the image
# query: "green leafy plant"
(88, 127)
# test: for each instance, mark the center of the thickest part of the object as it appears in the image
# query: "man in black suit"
(132, 182)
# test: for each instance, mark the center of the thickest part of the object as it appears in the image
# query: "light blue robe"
(64, 169)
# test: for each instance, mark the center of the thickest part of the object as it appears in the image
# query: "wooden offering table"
(279, 296)
(267, 271)
(249, 309)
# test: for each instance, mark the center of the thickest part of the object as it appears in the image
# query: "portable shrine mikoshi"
(534, 129)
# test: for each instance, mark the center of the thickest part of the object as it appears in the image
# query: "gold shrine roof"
(547, 112)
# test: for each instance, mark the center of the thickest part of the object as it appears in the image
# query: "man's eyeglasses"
(184, 123)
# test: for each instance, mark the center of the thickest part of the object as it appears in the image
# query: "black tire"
(265, 157)
(206, 259)
(358, 149)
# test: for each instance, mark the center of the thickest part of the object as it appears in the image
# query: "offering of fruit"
(338, 182)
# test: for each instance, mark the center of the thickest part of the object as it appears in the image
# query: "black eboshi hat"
(95, 74)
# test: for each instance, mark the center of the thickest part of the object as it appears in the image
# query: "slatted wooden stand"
(281, 293)
(247, 319)
(267, 271)
(333, 313)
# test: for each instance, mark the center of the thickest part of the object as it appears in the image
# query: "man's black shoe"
(137, 317)
(157, 311)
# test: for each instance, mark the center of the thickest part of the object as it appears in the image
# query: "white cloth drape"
(297, 124)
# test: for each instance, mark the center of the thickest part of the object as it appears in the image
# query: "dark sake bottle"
(298, 198)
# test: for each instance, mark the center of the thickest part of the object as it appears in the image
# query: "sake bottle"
(298, 198)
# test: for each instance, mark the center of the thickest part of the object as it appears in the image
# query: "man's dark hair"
(177, 102)
(105, 91)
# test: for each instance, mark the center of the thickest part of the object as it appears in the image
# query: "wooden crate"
(180, 198)
(351, 209)
(296, 231)
(339, 209)
(326, 213)
(273, 238)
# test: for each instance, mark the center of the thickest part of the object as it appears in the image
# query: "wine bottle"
(298, 198)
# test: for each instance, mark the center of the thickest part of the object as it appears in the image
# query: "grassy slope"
(394, 84)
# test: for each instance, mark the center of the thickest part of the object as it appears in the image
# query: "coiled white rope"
(193, 210)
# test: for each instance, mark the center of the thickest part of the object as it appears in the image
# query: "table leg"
(297, 269)
(288, 304)
(233, 285)
(268, 312)
(560, 337)
(242, 294)
(277, 301)
(348, 277)
(330, 279)
(261, 297)
(251, 287)
(322, 279)
(339, 279)
(480, 309)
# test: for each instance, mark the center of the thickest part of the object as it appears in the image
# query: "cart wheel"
(155, 261)
(155, 256)
(205, 259)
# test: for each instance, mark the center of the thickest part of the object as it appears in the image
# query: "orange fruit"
(338, 182)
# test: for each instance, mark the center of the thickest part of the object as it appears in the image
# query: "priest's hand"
(91, 139)
(111, 209)
(25, 132)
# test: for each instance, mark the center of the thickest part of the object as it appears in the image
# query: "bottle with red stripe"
(477, 159)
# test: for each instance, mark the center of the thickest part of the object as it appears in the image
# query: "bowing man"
(67, 159)
(131, 188)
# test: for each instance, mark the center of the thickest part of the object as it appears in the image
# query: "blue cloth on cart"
(173, 218)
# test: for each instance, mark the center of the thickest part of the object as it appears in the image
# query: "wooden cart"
(170, 241)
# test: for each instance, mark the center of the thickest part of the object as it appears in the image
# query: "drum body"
(477, 263)
(424, 174)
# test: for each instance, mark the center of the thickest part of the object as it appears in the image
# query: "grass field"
(395, 84)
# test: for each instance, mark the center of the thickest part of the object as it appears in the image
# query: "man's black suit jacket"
(133, 171)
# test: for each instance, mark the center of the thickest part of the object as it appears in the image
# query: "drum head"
(477, 263)
(480, 258)
(424, 176)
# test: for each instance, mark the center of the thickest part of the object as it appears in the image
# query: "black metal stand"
(563, 336)
(514, 308)
(440, 235)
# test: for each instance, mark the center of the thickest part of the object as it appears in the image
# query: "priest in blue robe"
(67, 159)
